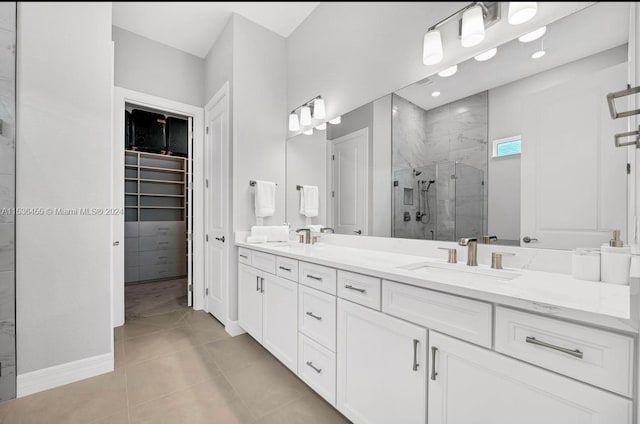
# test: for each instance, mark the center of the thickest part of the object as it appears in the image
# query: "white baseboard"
(233, 328)
(58, 375)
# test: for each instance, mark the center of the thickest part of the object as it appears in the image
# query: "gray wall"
(64, 142)
(7, 200)
(150, 67)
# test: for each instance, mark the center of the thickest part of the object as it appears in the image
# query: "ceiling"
(574, 37)
(193, 27)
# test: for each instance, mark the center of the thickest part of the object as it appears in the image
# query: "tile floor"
(156, 298)
(180, 367)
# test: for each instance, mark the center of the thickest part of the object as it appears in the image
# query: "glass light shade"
(522, 11)
(538, 54)
(322, 126)
(472, 27)
(308, 132)
(486, 55)
(533, 35)
(318, 109)
(432, 51)
(294, 124)
(449, 71)
(435, 94)
(336, 121)
(305, 115)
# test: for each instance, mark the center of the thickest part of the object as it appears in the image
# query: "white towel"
(309, 201)
(271, 232)
(265, 199)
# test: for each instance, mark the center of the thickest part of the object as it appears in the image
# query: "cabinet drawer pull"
(244, 256)
(434, 374)
(285, 269)
(415, 355)
(350, 287)
(257, 283)
(314, 277)
(576, 353)
(261, 285)
(312, 315)
(318, 370)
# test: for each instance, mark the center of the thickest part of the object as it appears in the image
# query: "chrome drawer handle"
(350, 287)
(312, 315)
(244, 256)
(576, 353)
(415, 355)
(314, 278)
(318, 370)
(257, 283)
(434, 374)
(285, 269)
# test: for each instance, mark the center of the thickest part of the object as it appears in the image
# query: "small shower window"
(507, 146)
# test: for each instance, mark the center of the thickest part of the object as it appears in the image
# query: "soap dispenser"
(616, 261)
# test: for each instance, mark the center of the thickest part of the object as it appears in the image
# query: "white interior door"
(350, 183)
(216, 206)
(574, 180)
(189, 213)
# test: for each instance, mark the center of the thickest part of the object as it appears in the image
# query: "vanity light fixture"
(486, 55)
(305, 115)
(449, 71)
(318, 109)
(435, 94)
(313, 108)
(294, 123)
(308, 132)
(539, 53)
(336, 121)
(322, 126)
(473, 19)
(522, 11)
(533, 35)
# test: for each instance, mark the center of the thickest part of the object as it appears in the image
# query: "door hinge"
(207, 130)
(628, 168)
(190, 287)
(189, 236)
(206, 183)
(206, 292)
(333, 157)
(206, 237)
(333, 194)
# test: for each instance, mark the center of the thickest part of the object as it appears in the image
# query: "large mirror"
(518, 145)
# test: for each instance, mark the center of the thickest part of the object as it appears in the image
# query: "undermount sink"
(458, 269)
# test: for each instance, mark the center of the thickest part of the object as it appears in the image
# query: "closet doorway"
(157, 157)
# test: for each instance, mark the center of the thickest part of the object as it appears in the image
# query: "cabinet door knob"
(528, 239)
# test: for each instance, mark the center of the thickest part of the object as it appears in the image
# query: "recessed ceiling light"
(449, 71)
(435, 93)
(486, 55)
(538, 54)
(521, 11)
(533, 35)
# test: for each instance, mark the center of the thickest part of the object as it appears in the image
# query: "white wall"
(505, 120)
(306, 165)
(259, 118)
(63, 145)
(352, 53)
(150, 67)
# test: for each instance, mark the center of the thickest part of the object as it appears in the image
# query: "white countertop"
(540, 291)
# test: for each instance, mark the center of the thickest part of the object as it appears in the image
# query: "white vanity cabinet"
(472, 385)
(381, 367)
(268, 311)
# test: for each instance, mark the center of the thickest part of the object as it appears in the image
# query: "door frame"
(330, 162)
(222, 96)
(121, 96)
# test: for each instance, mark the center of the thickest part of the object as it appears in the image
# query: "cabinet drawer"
(287, 268)
(263, 261)
(159, 257)
(317, 316)
(317, 368)
(162, 228)
(359, 289)
(244, 256)
(153, 272)
(161, 242)
(595, 356)
(131, 274)
(459, 317)
(131, 229)
(318, 276)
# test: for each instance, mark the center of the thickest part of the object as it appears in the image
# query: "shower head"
(416, 173)
(430, 182)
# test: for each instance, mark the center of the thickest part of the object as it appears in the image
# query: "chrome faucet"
(327, 230)
(472, 253)
(306, 236)
(488, 239)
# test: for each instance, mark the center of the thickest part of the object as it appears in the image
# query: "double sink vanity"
(388, 337)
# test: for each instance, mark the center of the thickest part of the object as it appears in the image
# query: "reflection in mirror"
(519, 146)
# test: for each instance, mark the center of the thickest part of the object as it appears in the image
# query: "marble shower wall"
(7, 199)
(444, 140)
